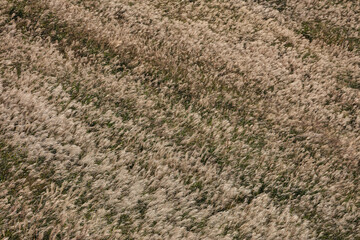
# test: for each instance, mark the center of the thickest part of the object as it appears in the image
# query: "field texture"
(186, 119)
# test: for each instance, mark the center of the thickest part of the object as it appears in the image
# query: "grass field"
(192, 119)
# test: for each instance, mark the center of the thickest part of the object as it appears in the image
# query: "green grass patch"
(348, 78)
(9, 158)
(331, 35)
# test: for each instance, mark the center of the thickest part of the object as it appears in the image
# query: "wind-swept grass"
(178, 120)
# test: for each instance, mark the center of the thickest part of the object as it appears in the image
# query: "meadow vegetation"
(163, 119)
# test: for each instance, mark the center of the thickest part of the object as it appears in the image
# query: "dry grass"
(179, 119)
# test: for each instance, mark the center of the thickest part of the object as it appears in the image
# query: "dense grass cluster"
(165, 119)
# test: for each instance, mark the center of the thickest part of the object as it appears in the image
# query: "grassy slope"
(168, 119)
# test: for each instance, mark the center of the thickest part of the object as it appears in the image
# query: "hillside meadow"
(191, 119)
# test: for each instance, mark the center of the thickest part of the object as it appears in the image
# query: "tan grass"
(178, 120)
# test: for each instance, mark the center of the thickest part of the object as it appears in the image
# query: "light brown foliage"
(179, 119)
